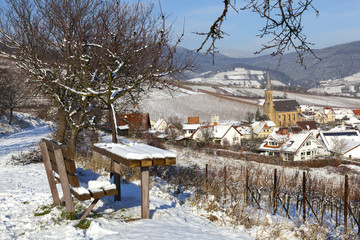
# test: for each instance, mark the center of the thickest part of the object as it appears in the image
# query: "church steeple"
(269, 104)
(268, 83)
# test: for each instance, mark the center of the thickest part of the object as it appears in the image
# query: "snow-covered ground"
(24, 190)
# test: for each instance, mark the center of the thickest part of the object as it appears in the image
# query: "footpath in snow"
(24, 189)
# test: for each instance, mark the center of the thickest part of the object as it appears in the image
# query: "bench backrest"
(67, 158)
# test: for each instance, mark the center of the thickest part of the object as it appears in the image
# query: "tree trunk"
(11, 115)
(113, 123)
(60, 133)
(73, 140)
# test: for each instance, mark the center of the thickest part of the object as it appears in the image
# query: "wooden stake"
(224, 184)
(275, 192)
(247, 186)
(346, 202)
(206, 180)
(304, 196)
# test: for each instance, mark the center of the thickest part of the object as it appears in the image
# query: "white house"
(342, 142)
(189, 129)
(220, 133)
(353, 151)
(160, 125)
(341, 113)
(293, 147)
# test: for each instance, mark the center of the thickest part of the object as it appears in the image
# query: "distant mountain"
(336, 62)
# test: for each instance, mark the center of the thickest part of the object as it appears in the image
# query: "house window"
(289, 116)
(284, 117)
(294, 116)
(308, 153)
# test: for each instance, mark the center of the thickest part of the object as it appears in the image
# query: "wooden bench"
(60, 168)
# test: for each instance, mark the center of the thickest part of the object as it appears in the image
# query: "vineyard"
(333, 207)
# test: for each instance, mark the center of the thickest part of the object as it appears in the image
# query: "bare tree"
(283, 24)
(14, 91)
(89, 51)
(249, 117)
(338, 146)
(206, 133)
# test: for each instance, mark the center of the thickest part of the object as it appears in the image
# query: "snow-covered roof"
(125, 127)
(187, 126)
(258, 126)
(221, 129)
(353, 121)
(244, 130)
(347, 138)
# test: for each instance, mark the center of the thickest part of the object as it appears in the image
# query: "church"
(284, 113)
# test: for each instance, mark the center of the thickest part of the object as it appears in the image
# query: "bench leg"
(117, 181)
(92, 205)
(145, 208)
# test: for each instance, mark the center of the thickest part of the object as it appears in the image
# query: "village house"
(324, 115)
(191, 126)
(133, 122)
(262, 129)
(160, 125)
(343, 113)
(293, 146)
(341, 143)
(224, 134)
(245, 131)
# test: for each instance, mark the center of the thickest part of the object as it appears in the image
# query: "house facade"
(263, 129)
(223, 134)
(324, 116)
(160, 125)
(341, 143)
(293, 147)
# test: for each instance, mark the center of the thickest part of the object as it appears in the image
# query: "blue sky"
(339, 22)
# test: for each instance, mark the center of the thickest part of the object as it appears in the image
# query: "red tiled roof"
(357, 112)
(304, 124)
(138, 121)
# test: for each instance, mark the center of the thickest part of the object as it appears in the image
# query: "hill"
(336, 62)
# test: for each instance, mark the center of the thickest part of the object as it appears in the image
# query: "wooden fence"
(301, 196)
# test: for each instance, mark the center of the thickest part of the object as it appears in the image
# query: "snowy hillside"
(347, 86)
(184, 103)
(239, 77)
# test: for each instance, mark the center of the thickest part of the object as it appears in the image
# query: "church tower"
(269, 104)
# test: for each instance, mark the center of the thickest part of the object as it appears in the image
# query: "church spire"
(268, 83)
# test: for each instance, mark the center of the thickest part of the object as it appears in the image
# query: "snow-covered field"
(303, 99)
(183, 103)
(24, 190)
